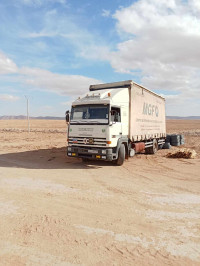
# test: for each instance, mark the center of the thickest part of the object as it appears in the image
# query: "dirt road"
(60, 211)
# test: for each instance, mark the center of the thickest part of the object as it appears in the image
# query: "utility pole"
(27, 107)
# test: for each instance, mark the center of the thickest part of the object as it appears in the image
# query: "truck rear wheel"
(121, 155)
(154, 148)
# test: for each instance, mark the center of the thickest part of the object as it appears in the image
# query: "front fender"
(121, 140)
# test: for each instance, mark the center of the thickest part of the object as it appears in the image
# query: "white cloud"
(163, 46)
(41, 79)
(7, 97)
(162, 32)
(171, 15)
(7, 66)
(61, 84)
(195, 4)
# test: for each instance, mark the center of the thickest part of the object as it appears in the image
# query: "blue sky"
(52, 50)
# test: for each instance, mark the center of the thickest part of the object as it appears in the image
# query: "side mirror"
(67, 116)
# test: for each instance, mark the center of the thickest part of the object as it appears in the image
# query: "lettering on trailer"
(150, 109)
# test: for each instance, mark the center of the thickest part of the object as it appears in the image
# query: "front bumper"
(106, 154)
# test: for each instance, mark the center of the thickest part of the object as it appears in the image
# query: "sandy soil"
(60, 211)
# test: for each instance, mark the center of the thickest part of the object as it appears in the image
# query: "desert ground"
(56, 210)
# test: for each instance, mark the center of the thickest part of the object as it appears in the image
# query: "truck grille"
(86, 141)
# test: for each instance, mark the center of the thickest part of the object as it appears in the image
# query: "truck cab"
(98, 123)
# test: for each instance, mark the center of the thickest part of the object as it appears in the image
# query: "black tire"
(175, 143)
(154, 148)
(182, 139)
(166, 145)
(160, 146)
(175, 138)
(168, 138)
(121, 155)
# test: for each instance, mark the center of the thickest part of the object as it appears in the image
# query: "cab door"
(116, 121)
(124, 120)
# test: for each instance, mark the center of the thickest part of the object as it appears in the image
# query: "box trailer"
(116, 120)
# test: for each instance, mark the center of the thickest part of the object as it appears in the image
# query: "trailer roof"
(120, 84)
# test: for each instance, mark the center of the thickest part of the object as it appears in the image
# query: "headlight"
(103, 151)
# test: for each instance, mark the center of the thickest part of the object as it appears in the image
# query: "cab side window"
(115, 114)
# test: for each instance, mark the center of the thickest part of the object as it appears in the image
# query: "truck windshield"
(94, 113)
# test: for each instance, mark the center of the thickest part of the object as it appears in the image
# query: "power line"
(27, 110)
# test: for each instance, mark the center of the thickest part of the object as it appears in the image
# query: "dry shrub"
(182, 153)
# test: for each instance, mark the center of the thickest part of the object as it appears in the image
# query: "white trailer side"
(147, 114)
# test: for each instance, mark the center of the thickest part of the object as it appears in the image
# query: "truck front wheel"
(121, 155)
(154, 148)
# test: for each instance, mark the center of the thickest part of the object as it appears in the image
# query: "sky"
(52, 50)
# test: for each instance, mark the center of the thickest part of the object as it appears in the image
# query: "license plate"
(93, 151)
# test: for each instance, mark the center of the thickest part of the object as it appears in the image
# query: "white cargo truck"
(114, 121)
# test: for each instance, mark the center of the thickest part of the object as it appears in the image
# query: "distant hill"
(21, 117)
(183, 118)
